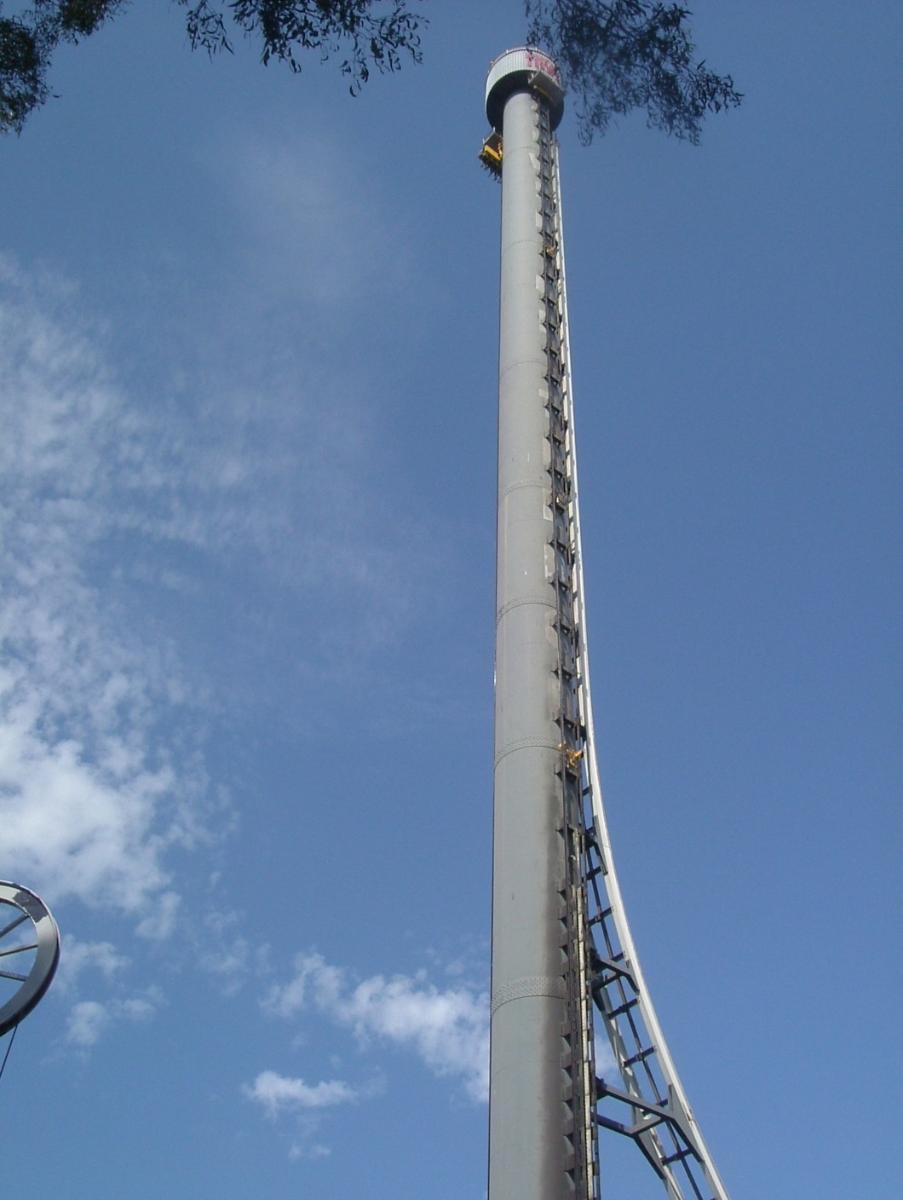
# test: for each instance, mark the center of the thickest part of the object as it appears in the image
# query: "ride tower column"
(542, 1145)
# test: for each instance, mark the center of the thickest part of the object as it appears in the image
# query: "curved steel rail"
(662, 1122)
(29, 952)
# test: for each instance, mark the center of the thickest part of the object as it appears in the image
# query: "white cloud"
(447, 1028)
(137, 1008)
(606, 1065)
(161, 920)
(313, 1150)
(68, 822)
(226, 954)
(77, 957)
(93, 794)
(276, 1093)
(86, 1023)
(314, 981)
(88, 1020)
(305, 213)
(112, 504)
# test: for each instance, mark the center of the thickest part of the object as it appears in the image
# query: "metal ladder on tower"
(579, 1063)
(603, 968)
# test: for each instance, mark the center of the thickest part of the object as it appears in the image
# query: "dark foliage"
(375, 34)
(22, 65)
(629, 54)
(615, 56)
(27, 43)
(78, 18)
(378, 35)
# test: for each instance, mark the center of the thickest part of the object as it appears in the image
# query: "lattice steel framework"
(562, 948)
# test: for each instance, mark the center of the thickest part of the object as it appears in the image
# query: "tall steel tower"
(561, 945)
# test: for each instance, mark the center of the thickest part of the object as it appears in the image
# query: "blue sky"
(247, 376)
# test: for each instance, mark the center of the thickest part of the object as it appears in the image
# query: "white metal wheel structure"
(29, 952)
(562, 951)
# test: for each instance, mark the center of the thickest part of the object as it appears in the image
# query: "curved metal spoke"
(13, 924)
(42, 943)
(19, 949)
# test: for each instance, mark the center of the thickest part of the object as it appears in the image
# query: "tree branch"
(629, 54)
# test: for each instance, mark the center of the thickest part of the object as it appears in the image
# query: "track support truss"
(648, 1103)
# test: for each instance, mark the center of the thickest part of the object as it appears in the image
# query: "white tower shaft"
(538, 1147)
(561, 944)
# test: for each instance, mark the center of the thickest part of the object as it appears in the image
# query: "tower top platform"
(523, 69)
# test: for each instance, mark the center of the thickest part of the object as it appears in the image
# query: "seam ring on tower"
(529, 986)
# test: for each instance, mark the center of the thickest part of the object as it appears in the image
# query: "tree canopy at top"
(614, 56)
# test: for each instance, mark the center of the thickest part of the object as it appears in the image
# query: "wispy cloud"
(303, 1106)
(606, 1064)
(78, 958)
(226, 954)
(308, 212)
(92, 797)
(120, 519)
(73, 822)
(276, 1093)
(86, 966)
(166, 560)
(307, 1147)
(448, 1029)
(89, 1020)
(86, 1023)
